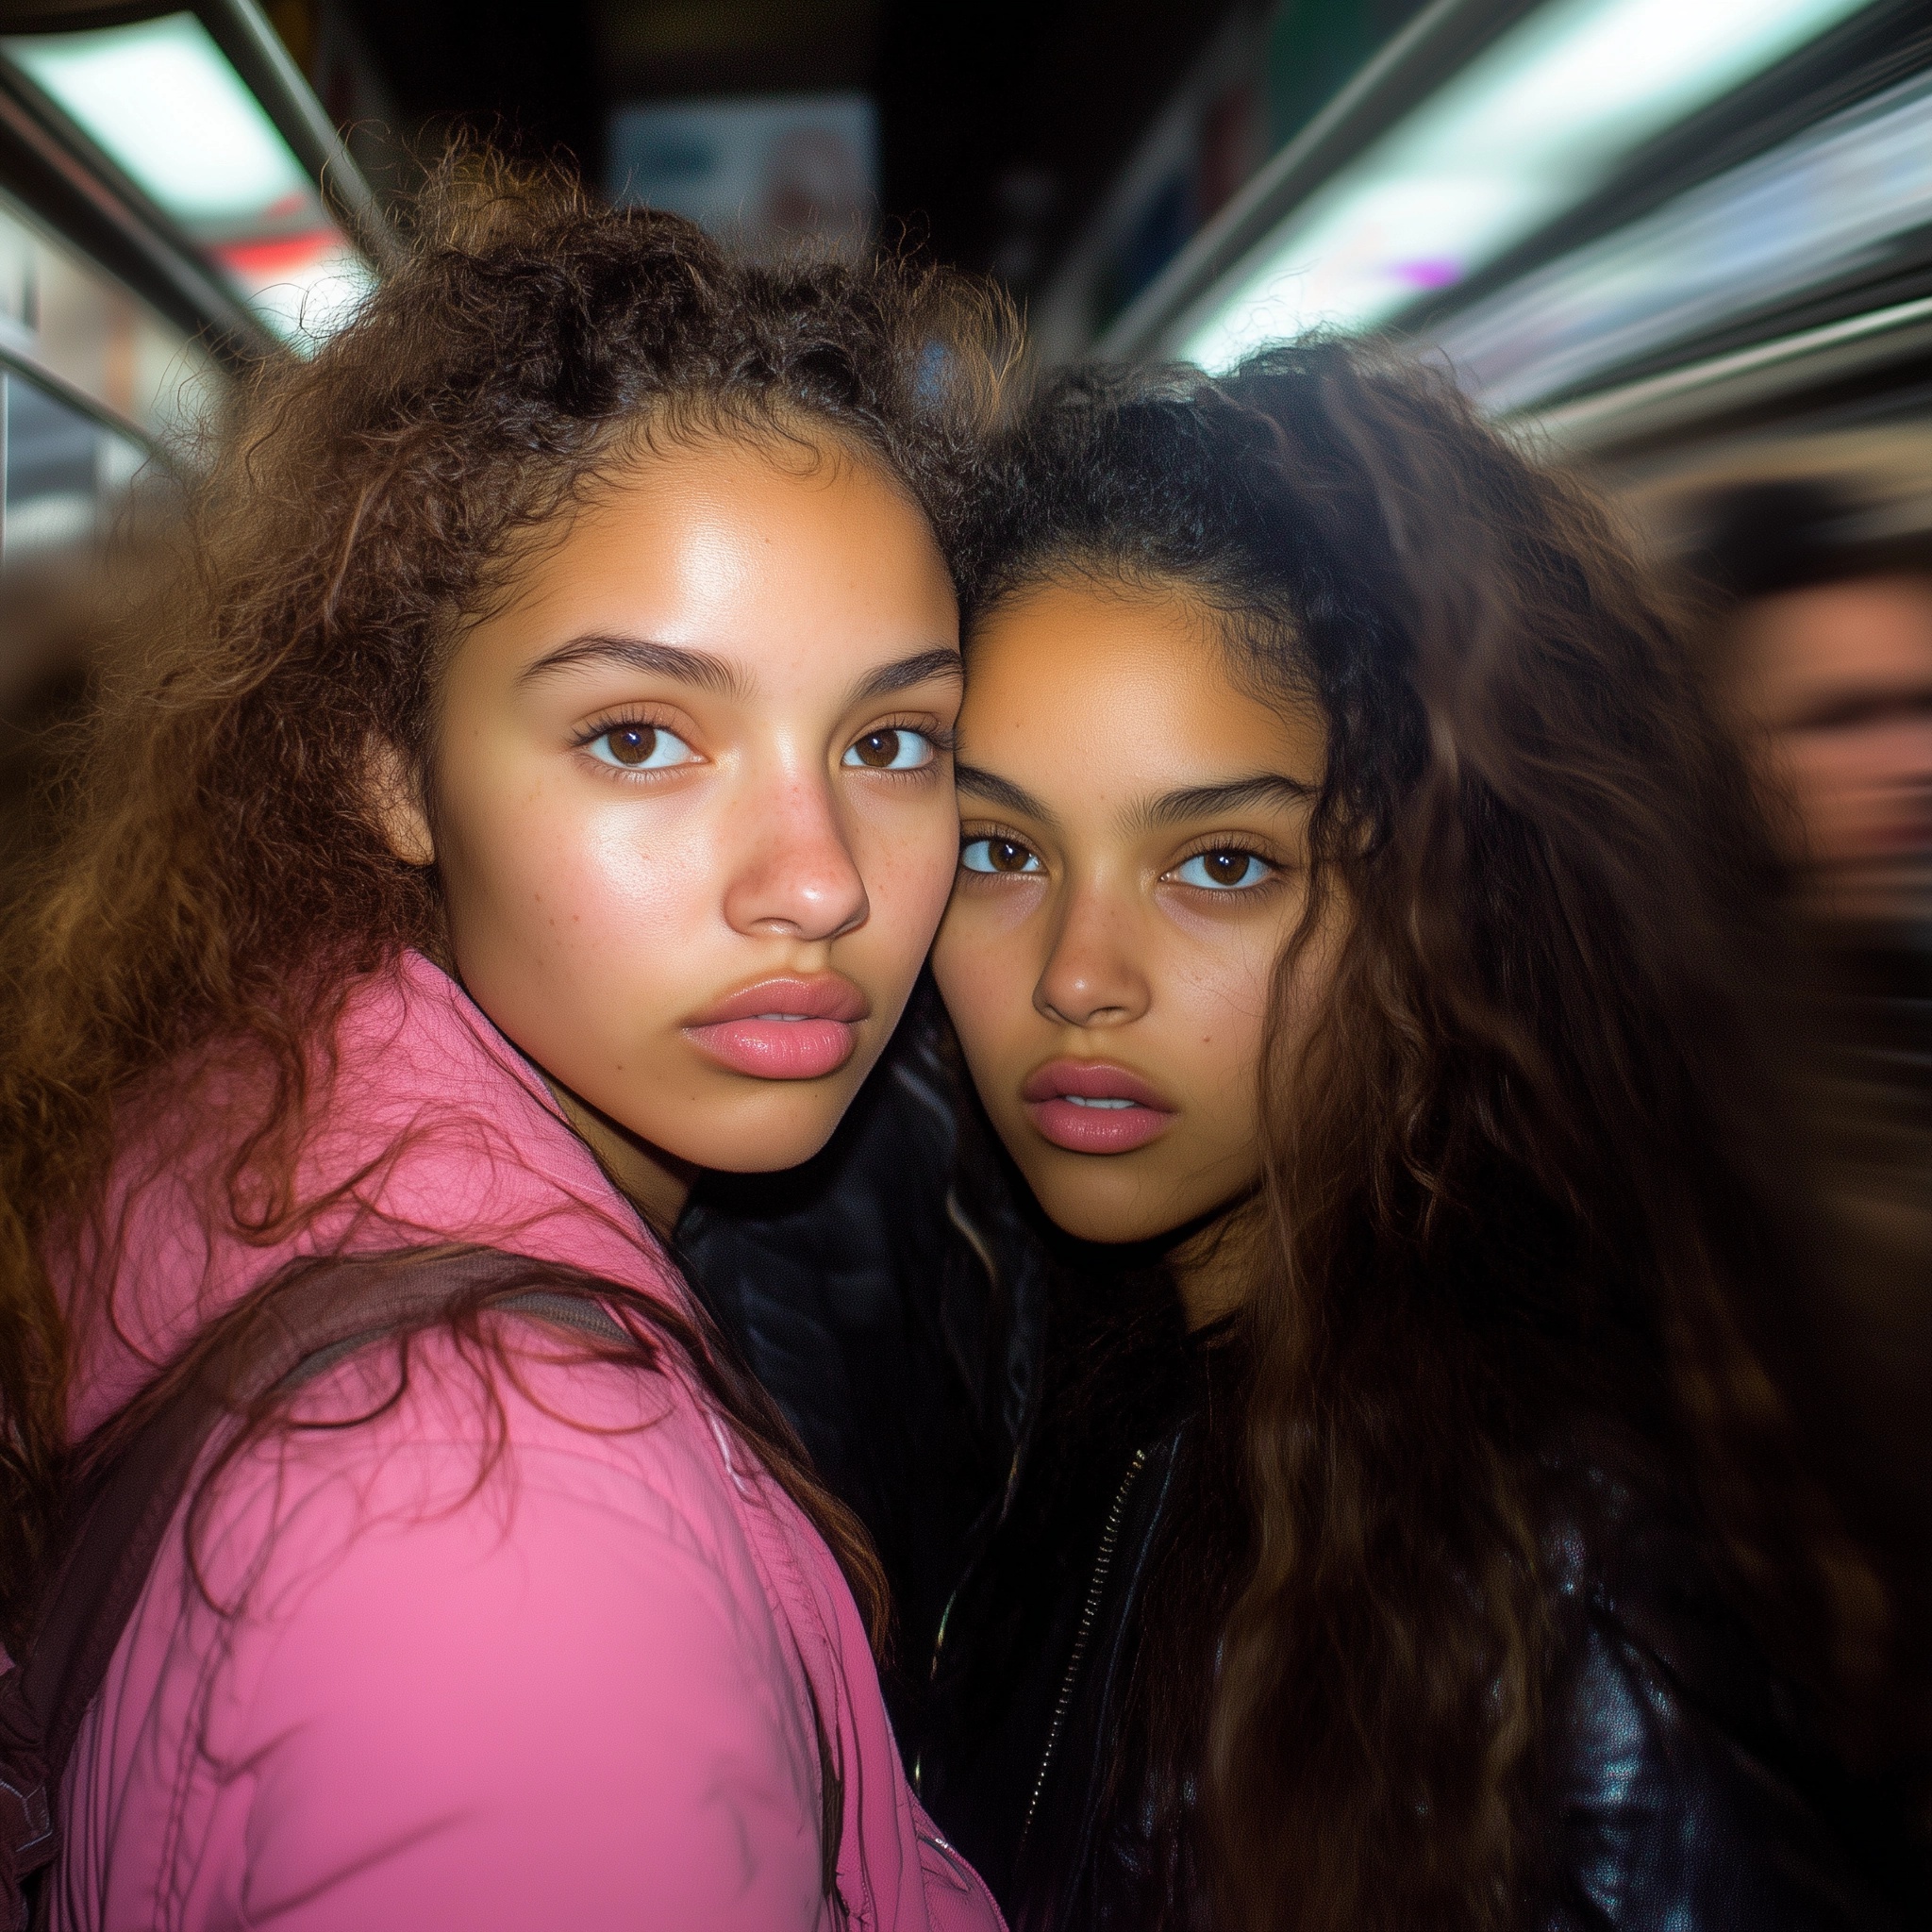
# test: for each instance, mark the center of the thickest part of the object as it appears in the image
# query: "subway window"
(65, 473)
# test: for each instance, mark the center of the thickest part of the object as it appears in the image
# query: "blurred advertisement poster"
(760, 171)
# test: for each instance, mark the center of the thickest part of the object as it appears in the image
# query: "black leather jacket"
(1679, 1793)
(901, 1328)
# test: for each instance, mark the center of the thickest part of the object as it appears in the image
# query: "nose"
(1092, 977)
(797, 877)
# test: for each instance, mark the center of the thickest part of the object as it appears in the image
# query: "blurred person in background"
(1820, 655)
(1823, 664)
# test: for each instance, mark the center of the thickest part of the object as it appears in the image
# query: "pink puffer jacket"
(570, 1684)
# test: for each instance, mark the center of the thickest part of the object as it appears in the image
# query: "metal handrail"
(158, 259)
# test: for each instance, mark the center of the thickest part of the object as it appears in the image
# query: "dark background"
(1000, 122)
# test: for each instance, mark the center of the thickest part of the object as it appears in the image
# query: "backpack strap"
(318, 1312)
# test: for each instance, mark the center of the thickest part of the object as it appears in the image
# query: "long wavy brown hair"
(221, 884)
(1523, 1174)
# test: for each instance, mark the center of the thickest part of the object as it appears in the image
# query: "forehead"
(750, 550)
(1085, 682)
(740, 497)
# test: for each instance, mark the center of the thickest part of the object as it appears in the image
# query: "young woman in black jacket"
(1363, 950)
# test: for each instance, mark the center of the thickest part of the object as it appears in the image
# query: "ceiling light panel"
(163, 103)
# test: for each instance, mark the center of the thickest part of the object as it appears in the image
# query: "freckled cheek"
(577, 873)
(907, 870)
(987, 971)
(1219, 1021)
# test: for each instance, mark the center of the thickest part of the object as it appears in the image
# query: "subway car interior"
(1680, 248)
(1684, 247)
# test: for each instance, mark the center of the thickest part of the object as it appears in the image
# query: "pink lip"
(1053, 1096)
(814, 1036)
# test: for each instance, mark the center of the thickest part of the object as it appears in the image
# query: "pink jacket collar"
(430, 1126)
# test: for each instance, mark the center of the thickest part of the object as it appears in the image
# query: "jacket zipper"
(1103, 1562)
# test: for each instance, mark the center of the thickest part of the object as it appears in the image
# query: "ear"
(395, 802)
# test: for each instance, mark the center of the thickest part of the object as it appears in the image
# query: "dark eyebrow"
(1002, 791)
(661, 660)
(921, 668)
(1204, 801)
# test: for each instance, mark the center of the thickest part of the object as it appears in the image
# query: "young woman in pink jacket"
(534, 790)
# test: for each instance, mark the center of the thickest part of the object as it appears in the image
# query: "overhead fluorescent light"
(1539, 121)
(161, 100)
(165, 104)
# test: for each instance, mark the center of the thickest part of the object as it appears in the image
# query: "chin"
(1110, 1211)
(765, 1132)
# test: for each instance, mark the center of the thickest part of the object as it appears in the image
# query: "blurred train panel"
(1850, 200)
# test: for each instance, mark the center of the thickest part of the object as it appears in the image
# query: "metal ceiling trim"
(136, 222)
(242, 32)
(78, 16)
(1444, 37)
(1684, 398)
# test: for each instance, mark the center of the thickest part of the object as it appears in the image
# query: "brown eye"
(999, 856)
(894, 749)
(632, 744)
(640, 748)
(1226, 870)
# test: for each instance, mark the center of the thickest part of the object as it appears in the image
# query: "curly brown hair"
(1524, 1195)
(222, 879)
